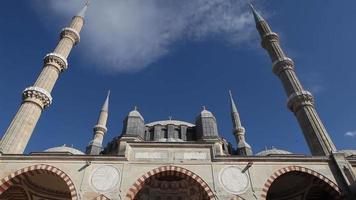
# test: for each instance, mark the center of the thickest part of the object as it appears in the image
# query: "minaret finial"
(84, 9)
(256, 14)
(106, 103)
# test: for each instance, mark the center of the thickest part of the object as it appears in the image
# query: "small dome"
(135, 113)
(206, 113)
(348, 152)
(64, 149)
(273, 151)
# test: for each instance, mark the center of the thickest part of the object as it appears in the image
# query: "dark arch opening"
(36, 185)
(301, 186)
(171, 185)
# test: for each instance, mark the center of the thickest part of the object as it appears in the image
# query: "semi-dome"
(170, 122)
(273, 151)
(65, 149)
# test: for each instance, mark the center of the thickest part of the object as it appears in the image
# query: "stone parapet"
(38, 96)
(100, 129)
(299, 99)
(72, 34)
(268, 38)
(56, 60)
(282, 64)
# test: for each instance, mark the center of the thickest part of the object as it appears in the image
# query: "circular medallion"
(105, 178)
(233, 180)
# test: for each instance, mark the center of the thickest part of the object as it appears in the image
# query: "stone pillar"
(38, 97)
(300, 101)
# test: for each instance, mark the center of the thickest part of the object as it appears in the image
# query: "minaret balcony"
(37, 95)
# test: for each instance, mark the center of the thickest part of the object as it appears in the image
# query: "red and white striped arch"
(172, 170)
(15, 177)
(327, 183)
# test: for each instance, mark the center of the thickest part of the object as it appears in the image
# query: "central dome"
(170, 122)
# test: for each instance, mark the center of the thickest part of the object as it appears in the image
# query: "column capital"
(282, 64)
(38, 96)
(56, 60)
(300, 99)
(72, 34)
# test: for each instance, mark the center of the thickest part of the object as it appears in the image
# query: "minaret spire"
(96, 145)
(83, 11)
(256, 14)
(300, 101)
(38, 97)
(243, 148)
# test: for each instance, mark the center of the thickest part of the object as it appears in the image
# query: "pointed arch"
(172, 170)
(16, 176)
(327, 183)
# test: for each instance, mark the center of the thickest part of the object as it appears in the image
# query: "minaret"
(243, 148)
(96, 145)
(38, 97)
(300, 101)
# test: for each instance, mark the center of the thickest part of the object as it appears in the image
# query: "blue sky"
(194, 67)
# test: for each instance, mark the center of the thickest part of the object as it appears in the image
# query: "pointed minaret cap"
(232, 102)
(84, 9)
(106, 103)
(256, 15)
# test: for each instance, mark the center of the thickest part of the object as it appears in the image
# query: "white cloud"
(350, 133)
(128, 35)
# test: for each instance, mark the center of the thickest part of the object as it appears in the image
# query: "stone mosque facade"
(171, 159)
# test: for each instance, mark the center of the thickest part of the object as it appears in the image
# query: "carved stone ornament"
(39, 94)
(72, 34)
(282, 64)
(233, 180)
(299, 99)
(105, 178)
(57, 59)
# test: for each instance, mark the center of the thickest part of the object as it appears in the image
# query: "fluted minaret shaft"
(300, 101)
(38, 97)
(96, 145)
(243, 148)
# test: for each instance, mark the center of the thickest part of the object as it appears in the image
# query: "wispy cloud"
(128, 35)
(314, 83)
(351, 133)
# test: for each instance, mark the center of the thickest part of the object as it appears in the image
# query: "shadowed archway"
(170, 182)
(299, 183)
(38, 182)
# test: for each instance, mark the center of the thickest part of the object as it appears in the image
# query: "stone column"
(38, 97)
(300, 101)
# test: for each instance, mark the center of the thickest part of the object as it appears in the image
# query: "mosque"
(172, 159)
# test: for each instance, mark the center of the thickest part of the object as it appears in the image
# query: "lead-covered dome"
(170, 122)
(64, 149)
(273, 151)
